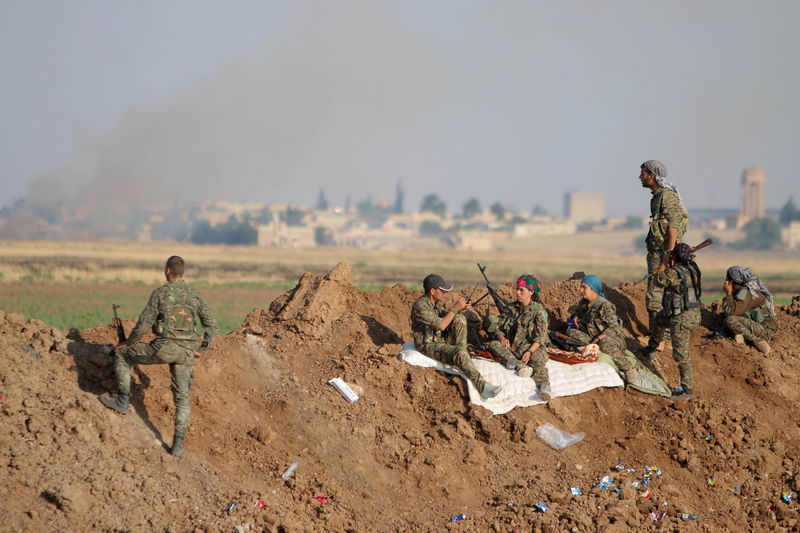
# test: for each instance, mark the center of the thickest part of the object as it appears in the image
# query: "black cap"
(435, 281)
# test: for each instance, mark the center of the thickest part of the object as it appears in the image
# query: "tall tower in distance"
(752, 196)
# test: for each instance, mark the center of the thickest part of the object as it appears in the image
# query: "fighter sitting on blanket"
(441, 333)
(595, 322)
(521, 337)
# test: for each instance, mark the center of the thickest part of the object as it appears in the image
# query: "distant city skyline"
(514, 102)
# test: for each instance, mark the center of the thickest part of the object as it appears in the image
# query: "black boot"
(648, 353)
(177, 445)
(118, 403)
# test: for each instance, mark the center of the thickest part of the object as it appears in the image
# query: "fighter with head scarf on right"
(679, 311)
(749, 308)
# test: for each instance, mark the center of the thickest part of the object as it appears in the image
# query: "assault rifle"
(661, 268)
(499, 301)
(117, 323)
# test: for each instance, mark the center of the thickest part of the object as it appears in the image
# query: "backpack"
(177, 321)
(684, 297)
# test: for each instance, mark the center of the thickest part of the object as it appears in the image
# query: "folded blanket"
(565, 380)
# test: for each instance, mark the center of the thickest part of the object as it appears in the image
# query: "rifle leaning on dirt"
(117, 323)
(662, 267)
(499, 301)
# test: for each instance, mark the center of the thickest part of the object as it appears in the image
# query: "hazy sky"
(517, 101)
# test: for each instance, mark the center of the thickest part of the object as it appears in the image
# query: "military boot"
(118, 403)
(544, 392)
(648, 353)
(738, 338)
(177, 445)
(490, 391)
(763, 346)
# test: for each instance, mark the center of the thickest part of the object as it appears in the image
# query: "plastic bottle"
(290, 471)
(557, 439)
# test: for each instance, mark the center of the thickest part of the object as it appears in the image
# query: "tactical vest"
(592, 323)
(683, 297)
(176, 319)
(658, 224)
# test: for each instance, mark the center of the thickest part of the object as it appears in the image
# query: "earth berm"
(410, 454)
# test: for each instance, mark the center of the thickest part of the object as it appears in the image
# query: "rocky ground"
(408, 456)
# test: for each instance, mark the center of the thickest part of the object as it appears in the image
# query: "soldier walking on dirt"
(668, 223)
(441, 333)
(521, 337)
(749, 308)
(596, 322)
(679, 312)
(172, 312)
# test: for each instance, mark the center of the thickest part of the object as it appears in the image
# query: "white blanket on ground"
(565, 380)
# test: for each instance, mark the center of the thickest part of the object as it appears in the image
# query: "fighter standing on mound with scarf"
(668, 223)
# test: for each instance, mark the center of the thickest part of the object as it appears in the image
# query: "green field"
(74, 284)
(84, 305)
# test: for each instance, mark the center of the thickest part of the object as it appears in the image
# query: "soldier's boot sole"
(544, 392)
(117, 403)
(631, 375)
(739, 338)
(490, 391)
(524, 371)
(763, 347)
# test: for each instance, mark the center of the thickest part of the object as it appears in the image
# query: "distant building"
(752, 196)
(791, 235)
(582, 207)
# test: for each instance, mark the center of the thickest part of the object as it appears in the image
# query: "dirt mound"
(409, 455)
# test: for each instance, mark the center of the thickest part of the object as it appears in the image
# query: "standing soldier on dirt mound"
(430, 319)
(679, 312)
(596, 322)
(521, 337)
(172, 312)
(749, 308)
(668, 223)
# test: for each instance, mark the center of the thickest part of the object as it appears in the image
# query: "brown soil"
(408, 456)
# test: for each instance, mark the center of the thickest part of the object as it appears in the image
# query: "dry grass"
(549, 258)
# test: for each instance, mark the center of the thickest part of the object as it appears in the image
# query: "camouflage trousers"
(654, 295)
(748, 328)
(536, 362)
(453, 351)
(680, 327)
(612, 345)
(160, 352)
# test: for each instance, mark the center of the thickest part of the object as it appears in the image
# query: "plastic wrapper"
(556, 438)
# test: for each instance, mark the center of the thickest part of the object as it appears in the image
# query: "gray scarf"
(660, 170)
(743, 276)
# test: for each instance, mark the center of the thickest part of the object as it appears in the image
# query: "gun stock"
(117, 323)
(705, 244)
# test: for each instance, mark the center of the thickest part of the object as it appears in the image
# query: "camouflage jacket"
(523, 326)
(598, 317)
(745, 304)
(665, 212)
(425, 319)
(172, 311)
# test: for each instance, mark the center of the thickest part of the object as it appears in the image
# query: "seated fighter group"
(520, 337)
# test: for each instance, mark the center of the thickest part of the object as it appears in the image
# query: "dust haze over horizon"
(519, 102)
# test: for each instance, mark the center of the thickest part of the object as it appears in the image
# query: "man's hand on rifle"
(461, 304)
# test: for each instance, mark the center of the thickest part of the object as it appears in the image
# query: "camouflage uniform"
(171, 312)
(601, 317)
(680, 322)
(449, 348)
(665, 212)
(749, 316)
(523, 326)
